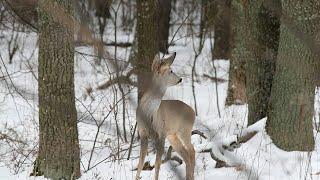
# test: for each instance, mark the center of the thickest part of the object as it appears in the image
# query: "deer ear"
(156, 63)
(169, 60)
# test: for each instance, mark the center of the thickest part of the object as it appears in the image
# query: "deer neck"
(151, 100)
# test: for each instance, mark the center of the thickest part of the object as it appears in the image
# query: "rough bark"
(239, 53)
(147, 42)
(292, 96)
(164, 10)
(59, 154)
(262, 42)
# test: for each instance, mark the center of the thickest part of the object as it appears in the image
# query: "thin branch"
(131, 143)
(199, 133)
(214, 79)
(116, 44)
(124, 79)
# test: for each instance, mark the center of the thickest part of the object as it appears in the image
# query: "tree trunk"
(147, 42)
(239, 54)
(292, 96)
(262, 41)
(222, 30)
(59, 154)
(208, 13)
(164, 11)
(25, 10)
(151, 36)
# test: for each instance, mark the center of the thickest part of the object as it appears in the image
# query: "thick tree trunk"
(164, 11)
(59, 154)
(292, 96)
(262, 43)
(239, 54)
(147, 39)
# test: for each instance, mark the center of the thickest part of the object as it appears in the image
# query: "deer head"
(163, 75)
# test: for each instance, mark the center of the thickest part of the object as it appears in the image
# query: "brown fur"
(171, 119)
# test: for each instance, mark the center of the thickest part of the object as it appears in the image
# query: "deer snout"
(180, 80)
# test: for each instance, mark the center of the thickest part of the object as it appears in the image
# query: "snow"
(259, 158)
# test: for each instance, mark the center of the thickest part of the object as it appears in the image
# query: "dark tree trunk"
(262, 41)
(25, 10)
(208, 13)
(164, 9)
(239, 54)
(147, 39)
(222, 30)
(292, 96)
(59, 154)
(102, 8)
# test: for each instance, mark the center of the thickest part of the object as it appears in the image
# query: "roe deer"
(160, 119)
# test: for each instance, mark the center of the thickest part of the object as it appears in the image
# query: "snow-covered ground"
(256, 159)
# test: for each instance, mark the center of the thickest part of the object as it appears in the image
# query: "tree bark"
(239, 54)
(208, 13)
(164, 11)
(25, 10)
(262, 42)
(222, 30)
(147, 39)
(292, 96)
(59, 154)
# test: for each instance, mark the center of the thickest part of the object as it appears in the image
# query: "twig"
(94, 145)
(116, 44)
(214, 79)
(199, 133)
(6, 137)
(132, 137)
(216, 75)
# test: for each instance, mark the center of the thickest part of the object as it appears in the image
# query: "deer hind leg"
(185, 137)
(159, 148)
(143, 151)
(178, 146)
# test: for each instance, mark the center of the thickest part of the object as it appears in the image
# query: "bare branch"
(214, 79)
(199, 133)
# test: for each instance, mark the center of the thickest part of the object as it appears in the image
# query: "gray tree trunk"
(59, 154)
(262, 42)
(292, 96)
(147, 39)
(239, 54)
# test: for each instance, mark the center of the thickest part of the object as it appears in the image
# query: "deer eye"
(171, 71)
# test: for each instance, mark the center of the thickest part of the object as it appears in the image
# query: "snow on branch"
(217, 150)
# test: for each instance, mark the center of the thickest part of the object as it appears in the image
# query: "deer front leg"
(159, 148)
(143, 151)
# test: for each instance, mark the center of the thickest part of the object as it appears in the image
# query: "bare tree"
(239, 53)
(147, 40)
(163, 10)
(262, 41)
(25, 10)
(59, 153)
(292, 95)
(222, 29)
